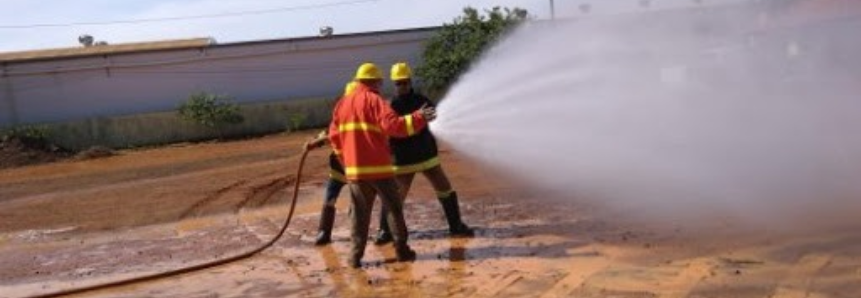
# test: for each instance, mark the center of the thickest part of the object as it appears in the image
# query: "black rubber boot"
(405, 253)
(327, 220)
(384, 235)
(355, 262)
(456, 227)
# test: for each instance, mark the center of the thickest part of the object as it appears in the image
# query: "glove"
(428, 112)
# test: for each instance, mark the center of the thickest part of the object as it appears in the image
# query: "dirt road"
(75, 223)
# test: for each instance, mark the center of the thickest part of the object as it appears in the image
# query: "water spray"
(742, 110)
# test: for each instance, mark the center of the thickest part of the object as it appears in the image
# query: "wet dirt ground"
(77, 223)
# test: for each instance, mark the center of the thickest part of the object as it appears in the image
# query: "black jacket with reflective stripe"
(420, 147)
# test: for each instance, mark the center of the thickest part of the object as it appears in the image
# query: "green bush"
(27, 133)
(210, 110)
(456, 46)
(297, 121)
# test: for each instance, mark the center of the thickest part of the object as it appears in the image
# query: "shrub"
(297, 121)
(34, 135)
(210, 110)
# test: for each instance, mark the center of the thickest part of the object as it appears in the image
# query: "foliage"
(27, 133)
(210, 110)
(456, 46)
(297, 121)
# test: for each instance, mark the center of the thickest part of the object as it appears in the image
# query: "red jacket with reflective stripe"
(362, 123)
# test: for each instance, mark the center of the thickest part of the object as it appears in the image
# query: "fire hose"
(184, 270)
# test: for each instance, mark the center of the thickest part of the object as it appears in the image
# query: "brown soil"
(95, 152)
(83, 222)
(16, 152)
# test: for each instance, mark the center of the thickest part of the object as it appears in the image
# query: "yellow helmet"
(401, 71)
(351, 86)
(369, 71)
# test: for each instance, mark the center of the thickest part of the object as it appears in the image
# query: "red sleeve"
(394, 125)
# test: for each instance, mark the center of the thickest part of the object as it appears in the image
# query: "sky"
(18, 33)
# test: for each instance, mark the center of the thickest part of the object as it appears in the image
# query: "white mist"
(737, 111)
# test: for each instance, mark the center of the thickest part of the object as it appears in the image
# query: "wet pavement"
(80, 223)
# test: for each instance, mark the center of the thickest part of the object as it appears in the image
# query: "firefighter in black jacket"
(418, 154)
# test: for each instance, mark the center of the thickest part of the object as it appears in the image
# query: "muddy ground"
(76, 223)
(17, 152)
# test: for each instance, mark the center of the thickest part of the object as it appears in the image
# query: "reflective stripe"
(411, 130)
(355, 171)
(363, 126)
(337, 176)
(444, 194)
(418, 167)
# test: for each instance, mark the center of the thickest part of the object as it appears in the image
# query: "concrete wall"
(62, 90)
(166, 127)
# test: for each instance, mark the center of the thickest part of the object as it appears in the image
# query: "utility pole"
(552, 11)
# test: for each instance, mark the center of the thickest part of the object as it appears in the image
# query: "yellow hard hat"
(401, 71)
(369, 71)
(351, 86)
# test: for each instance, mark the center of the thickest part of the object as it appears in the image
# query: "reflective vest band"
(444, 194)
(363, 126)
(418, 167)
(357, 171)
(411, 130)
(337, 176)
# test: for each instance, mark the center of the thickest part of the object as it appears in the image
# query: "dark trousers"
(436, 176)
(333, 189)
(363, 194)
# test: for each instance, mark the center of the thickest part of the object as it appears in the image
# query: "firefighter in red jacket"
(418, 154)
(362, 123)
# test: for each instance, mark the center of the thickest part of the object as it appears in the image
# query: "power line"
(193, 17)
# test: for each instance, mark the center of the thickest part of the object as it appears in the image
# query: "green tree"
(210, 110)
(457, 45)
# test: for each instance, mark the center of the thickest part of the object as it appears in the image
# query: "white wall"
(123, 84)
